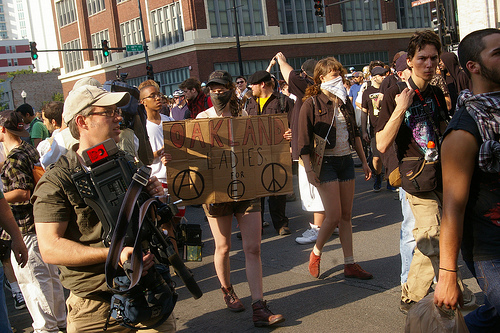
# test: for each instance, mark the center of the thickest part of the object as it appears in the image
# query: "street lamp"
(23, 95)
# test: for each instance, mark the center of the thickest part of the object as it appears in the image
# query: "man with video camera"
(69, 231)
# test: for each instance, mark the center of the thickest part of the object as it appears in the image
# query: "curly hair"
(323, 67)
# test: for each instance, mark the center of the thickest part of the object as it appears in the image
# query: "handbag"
(419, 175)
(319, 147)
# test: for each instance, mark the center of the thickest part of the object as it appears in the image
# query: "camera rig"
(112, 186)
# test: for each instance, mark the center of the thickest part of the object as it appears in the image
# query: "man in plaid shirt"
(44, 293)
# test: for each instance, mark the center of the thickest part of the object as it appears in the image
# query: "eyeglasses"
(240, 82)
(154, 96)
(108, 113)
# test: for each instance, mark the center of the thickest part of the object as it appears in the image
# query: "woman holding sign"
(226, 104)
(328, 115)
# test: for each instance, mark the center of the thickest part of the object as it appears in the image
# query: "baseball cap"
(357, 74)
(13, 122)
(378, 71)
(178, 93)
(401, 64)
(85, 96)
(259, 76)
(87, 81)
(308, 66)
(219, 77)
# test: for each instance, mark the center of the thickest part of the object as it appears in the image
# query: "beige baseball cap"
(82, 97)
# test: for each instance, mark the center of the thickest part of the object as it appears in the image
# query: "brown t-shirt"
(56, 199)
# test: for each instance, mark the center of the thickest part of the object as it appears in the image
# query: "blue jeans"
(487, 317)
(406, 240)
(4, 316)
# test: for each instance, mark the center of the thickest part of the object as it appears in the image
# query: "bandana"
(336, 87)
(220, 101)
(485, 109)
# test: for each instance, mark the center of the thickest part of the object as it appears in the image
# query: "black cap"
(219, 77)
(259, 76)
(308, 66)
(401, 64)
(13, 122)
(378, 71)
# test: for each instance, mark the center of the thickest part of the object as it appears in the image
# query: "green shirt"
(38, 130)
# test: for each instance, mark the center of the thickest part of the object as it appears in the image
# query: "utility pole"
(238, 47)
(149, 68)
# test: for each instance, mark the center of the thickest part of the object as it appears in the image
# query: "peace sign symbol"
(236, 189)
(188, 185)
(274, 177)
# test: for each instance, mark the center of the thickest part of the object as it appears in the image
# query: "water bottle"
(431, 155)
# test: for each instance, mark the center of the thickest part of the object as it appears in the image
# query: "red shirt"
(199, 104)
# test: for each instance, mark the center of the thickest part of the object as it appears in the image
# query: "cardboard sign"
(218, 160)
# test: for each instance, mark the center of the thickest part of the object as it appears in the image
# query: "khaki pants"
(89, 315)
(427, 209)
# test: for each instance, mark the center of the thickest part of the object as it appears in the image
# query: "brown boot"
(262, 316)
(232, 301)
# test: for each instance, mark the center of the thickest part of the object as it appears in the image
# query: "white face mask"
(335, 87)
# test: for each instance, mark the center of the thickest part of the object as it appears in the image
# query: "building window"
(2, 18)
(72, 59)
(22, 24)
(95, 6)
(297, 17)
(7, 49)
(20, 15)
(9, 62)
(361, 15)
(66, 12)
(3, 26)
(4, 35)
(221, 17)
(131, 34)
(23, 33)
(412, 17)
(96, 38)
(167, 25)
(170, 80)
(13, 49)
(15, 62)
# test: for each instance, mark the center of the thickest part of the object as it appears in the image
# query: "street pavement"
(329, 304)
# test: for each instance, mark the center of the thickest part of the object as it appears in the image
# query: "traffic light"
(318, 5)
(439, 20)
(149, 72)
(105, 47)
(33, 50)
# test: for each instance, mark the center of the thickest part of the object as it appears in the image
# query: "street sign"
(134, 48)
(420, 2)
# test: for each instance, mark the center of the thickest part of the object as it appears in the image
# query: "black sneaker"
(7, 285)
(19, 301)
(405, 307)
(377, 186)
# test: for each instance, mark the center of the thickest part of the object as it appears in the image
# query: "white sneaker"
(309, 236)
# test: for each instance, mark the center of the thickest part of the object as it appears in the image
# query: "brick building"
(13, 55)
(39, 87)
(194, 37)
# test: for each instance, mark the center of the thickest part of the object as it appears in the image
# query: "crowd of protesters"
(428, 124)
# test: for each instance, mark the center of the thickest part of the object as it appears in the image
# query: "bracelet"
(448, 270)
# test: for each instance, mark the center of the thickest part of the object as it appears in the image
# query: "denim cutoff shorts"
(337, 168)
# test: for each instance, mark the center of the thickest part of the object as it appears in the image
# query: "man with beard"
(471, 183)
(266, 100)
(197, 101)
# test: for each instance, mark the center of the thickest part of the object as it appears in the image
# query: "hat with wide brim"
(85, 96)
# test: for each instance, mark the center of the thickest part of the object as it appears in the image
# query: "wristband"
(448, 270)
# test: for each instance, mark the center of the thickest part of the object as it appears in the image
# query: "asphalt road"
(329, 304)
